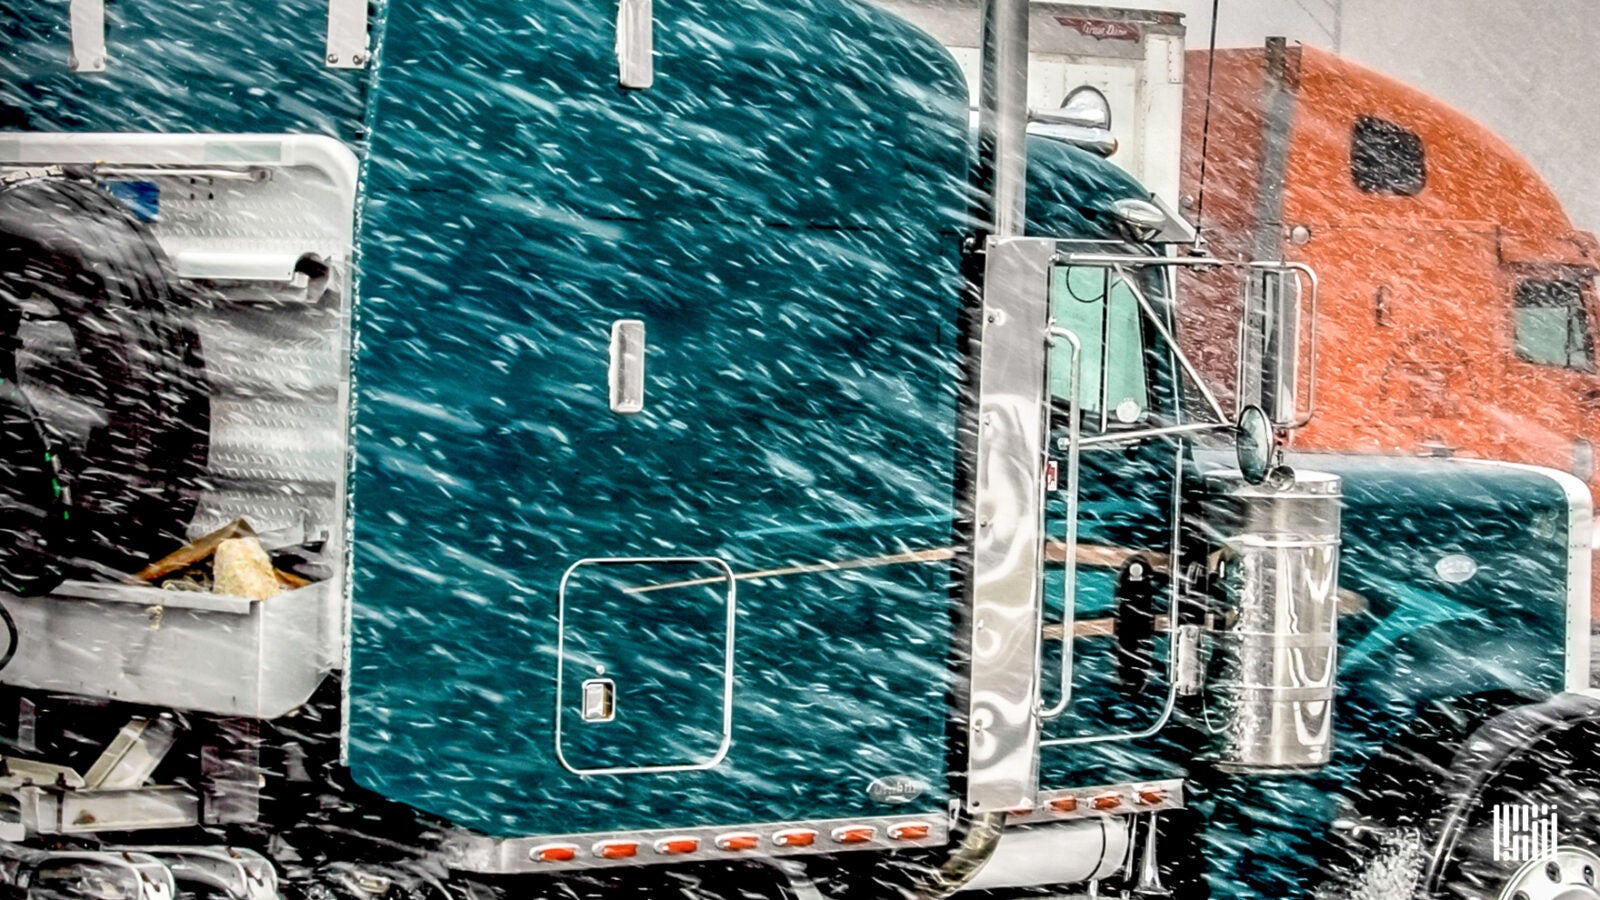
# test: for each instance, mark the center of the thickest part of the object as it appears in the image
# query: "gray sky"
(1529, 70)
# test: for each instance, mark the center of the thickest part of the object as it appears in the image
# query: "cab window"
(1552, 325)
(1100, 307)
(1386, 158)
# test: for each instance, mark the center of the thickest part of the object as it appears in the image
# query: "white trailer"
(1132, 56)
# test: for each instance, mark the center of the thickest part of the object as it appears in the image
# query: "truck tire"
(1533, 830)
(1505, 806)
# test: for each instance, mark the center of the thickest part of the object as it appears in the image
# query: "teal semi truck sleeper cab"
(464, 449)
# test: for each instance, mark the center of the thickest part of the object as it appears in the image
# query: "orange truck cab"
(1457, 309)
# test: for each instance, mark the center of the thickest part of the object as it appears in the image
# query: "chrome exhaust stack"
(1001, 186)
(1003, 117)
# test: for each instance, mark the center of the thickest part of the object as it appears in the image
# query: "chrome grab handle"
(1069, 592)
(1304, 275)
(1310, 275)
(1301, 270)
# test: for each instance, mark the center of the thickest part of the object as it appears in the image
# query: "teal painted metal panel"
(781, 212)
(1070, 192)
(235, 66)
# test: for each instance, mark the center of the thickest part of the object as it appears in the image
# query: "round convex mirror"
(1255, 444)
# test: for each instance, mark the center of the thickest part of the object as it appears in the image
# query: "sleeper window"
(1386, 158)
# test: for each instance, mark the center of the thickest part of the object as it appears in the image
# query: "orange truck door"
(1403, 362)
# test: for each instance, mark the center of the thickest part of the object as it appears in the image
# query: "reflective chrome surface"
(1269, 342)
(1008, 548)
(1169, 704)
(1566, 873)
(87, 19)
(235, 873)
(1069, 853)
(469, 852)
(347, 35)
(1279, 566)
(1003, 113)
(1254, 444)
(118, 874)
(626, 374)
(1069, 582)
(636, 44)
(1132, 798)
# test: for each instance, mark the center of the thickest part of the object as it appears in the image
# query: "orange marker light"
(1106, 801)
(674, 845)
(738, 841)
(795, 837)
(909, 831)
(616, 849)
(854, 834)
(1064, 804)
(1152, 796)
(554, 853)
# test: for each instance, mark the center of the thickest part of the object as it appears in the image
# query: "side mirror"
(1269, 374)
(1255, 444)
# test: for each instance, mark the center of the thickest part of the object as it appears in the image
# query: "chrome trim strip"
(727, 665)
(1008, 546)
(1134, 259)
(636, 44)
(503, 856)
(346, 47)
(1128, 792)
(625, 377)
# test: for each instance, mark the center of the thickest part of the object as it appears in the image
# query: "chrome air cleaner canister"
(1276, 558)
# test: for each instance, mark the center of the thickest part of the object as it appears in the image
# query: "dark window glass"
(1552, 325)
(1386, 159)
